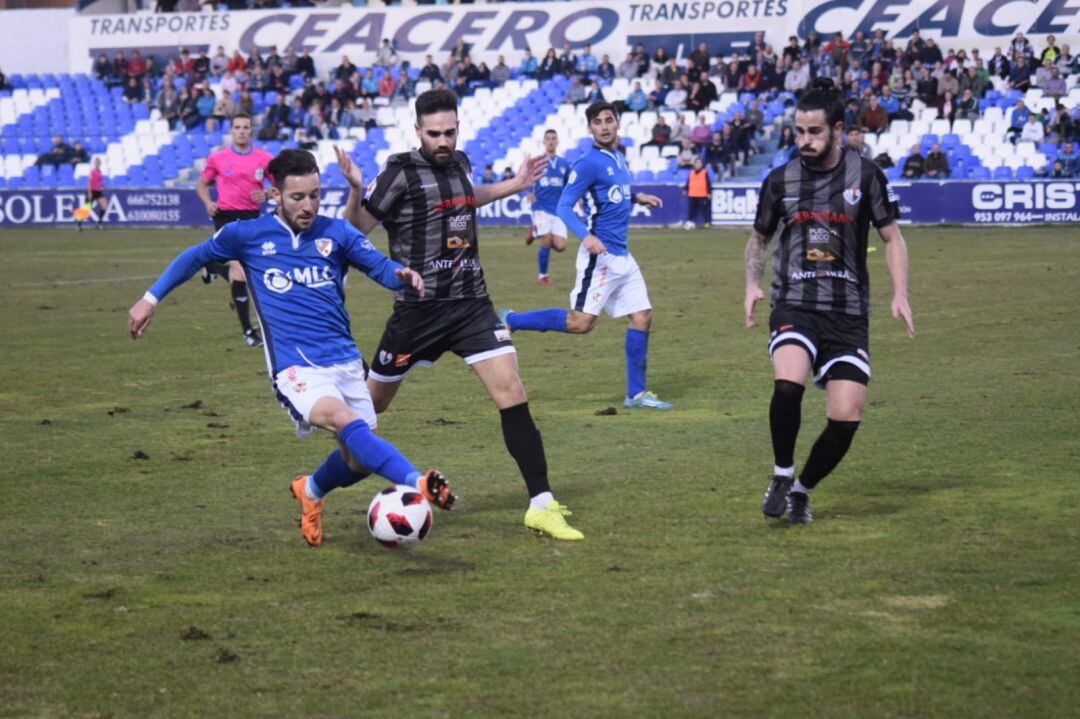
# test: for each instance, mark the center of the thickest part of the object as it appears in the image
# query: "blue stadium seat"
(1025, 172)
(978, 173)
(1003, 173)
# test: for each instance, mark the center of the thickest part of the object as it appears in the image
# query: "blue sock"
(377, 454)
(333, 473)
(553, 319)
(637, 359)
(542, 259)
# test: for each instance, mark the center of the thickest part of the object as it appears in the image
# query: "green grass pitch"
(941, 578)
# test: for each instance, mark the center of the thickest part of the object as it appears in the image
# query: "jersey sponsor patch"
(385, 357)
(268, 248)
(614, 194)
(502, 334)
(277, 281)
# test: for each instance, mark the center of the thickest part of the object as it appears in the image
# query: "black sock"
(785, 418)
(828, 450)
(220, 269)
(240, 299)
(526, 447)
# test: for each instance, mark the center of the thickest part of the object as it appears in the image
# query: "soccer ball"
(399, 516)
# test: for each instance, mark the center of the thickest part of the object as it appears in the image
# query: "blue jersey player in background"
(544, 198)
(608, 277)
(295, 261)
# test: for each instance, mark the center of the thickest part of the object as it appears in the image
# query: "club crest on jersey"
(325, 246)
(614, 194)
(385, 357)
(852, 195)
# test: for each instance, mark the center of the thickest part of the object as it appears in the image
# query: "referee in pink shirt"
(239, 172)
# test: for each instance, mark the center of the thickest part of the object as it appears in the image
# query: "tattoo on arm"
(755, 258)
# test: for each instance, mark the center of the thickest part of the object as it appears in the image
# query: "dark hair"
(593, 111)
(550, 131)
(824, 96)
(242, 116)
(432, 101)
(291, 162)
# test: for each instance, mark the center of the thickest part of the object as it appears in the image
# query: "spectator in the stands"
(967, 107)
(345, 69)
(483, 76)
(369, 86)
(338, 120)
(168, 104)
(792, 51)
(786, 143)
(688, 154)
(701, 56)
(501, 72)
(696, 98)
(971, 80)
(931, 53)
(133, 91)
(119, 72)
(947, 83)
(305, 64)
(461, 49)
(246, 104)
(1054, 86)
(549, 66)
(136, 66)
(606, 69)
(189, 110)
(204, 103)
(856, 141)
(219, 63)
(289, 62)
(1071, 159)
(365, 114)
(658, 95)
(567, 61)
(587, 64)
(58, 154)
(237, 62)
(628, 68)
(948, 107)
(200, 65)
(1020, 46)
(937, 163)
(489, 177)
(387, 86)
(276, 120)
(641, 57)
(1033, 130)
(224, 110)
(1060, 127)
(79, 154)
(1018, 117)
(873, 116)
(508, 174)
(430, 71)
(798, 78)
(406, 88)
(701, 133)
(999, 65)
(717, 155)
(1020, 77)
(676, 98)
(1058, 170)
(680, 131)
(1067, 63)
(751, 80)
(313, 121)
(637, 100)
(660, 133)
(386, 57)
(103, 69)
(915, 164)
(528, 66)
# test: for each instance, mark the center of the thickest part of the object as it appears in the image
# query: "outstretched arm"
(531, 170)
(896, 257)
(354, 212)
(755, 270)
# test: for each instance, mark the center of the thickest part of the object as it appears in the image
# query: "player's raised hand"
(410, 277)
(139, 317)
(593, 244)
(902, 310)
(649, 200)
(531, 170)
(753, 296)
(349, 169)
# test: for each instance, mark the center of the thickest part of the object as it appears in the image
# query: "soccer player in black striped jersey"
(820, 205)
(427, 203)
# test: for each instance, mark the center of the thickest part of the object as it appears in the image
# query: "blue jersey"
(549, 187)
(602, 178)
(297, 283)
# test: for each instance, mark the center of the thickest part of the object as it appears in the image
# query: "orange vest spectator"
(698, 185)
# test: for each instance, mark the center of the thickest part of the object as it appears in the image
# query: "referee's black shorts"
(838, 343)
(418, 333)
(224, 217)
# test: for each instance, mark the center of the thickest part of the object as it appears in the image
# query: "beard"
(441, 156)
(817, 162)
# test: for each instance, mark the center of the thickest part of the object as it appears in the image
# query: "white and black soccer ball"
(399, 516)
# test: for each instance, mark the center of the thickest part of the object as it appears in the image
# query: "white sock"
(313, 491)
(542, 500)
(783, 471)
(800, 488)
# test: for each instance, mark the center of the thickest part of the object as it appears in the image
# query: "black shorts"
(838, 344)
(418, 333)
(224, 217)
(96, 195)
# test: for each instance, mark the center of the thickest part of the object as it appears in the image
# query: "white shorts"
(608, 282)
(299, 388)
(546, 223)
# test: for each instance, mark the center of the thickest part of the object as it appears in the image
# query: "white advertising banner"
(510, 28)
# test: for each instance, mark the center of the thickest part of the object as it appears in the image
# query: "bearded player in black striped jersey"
(820, 206)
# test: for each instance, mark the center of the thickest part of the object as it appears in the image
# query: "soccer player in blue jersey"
(296, 262)
(546, 225)
(608, 277)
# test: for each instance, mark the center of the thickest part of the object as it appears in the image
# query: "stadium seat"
(1025, 172)
(1003, 173)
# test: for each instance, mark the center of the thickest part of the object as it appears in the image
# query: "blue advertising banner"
(951, 202)
(183, 208)
(954, 202)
